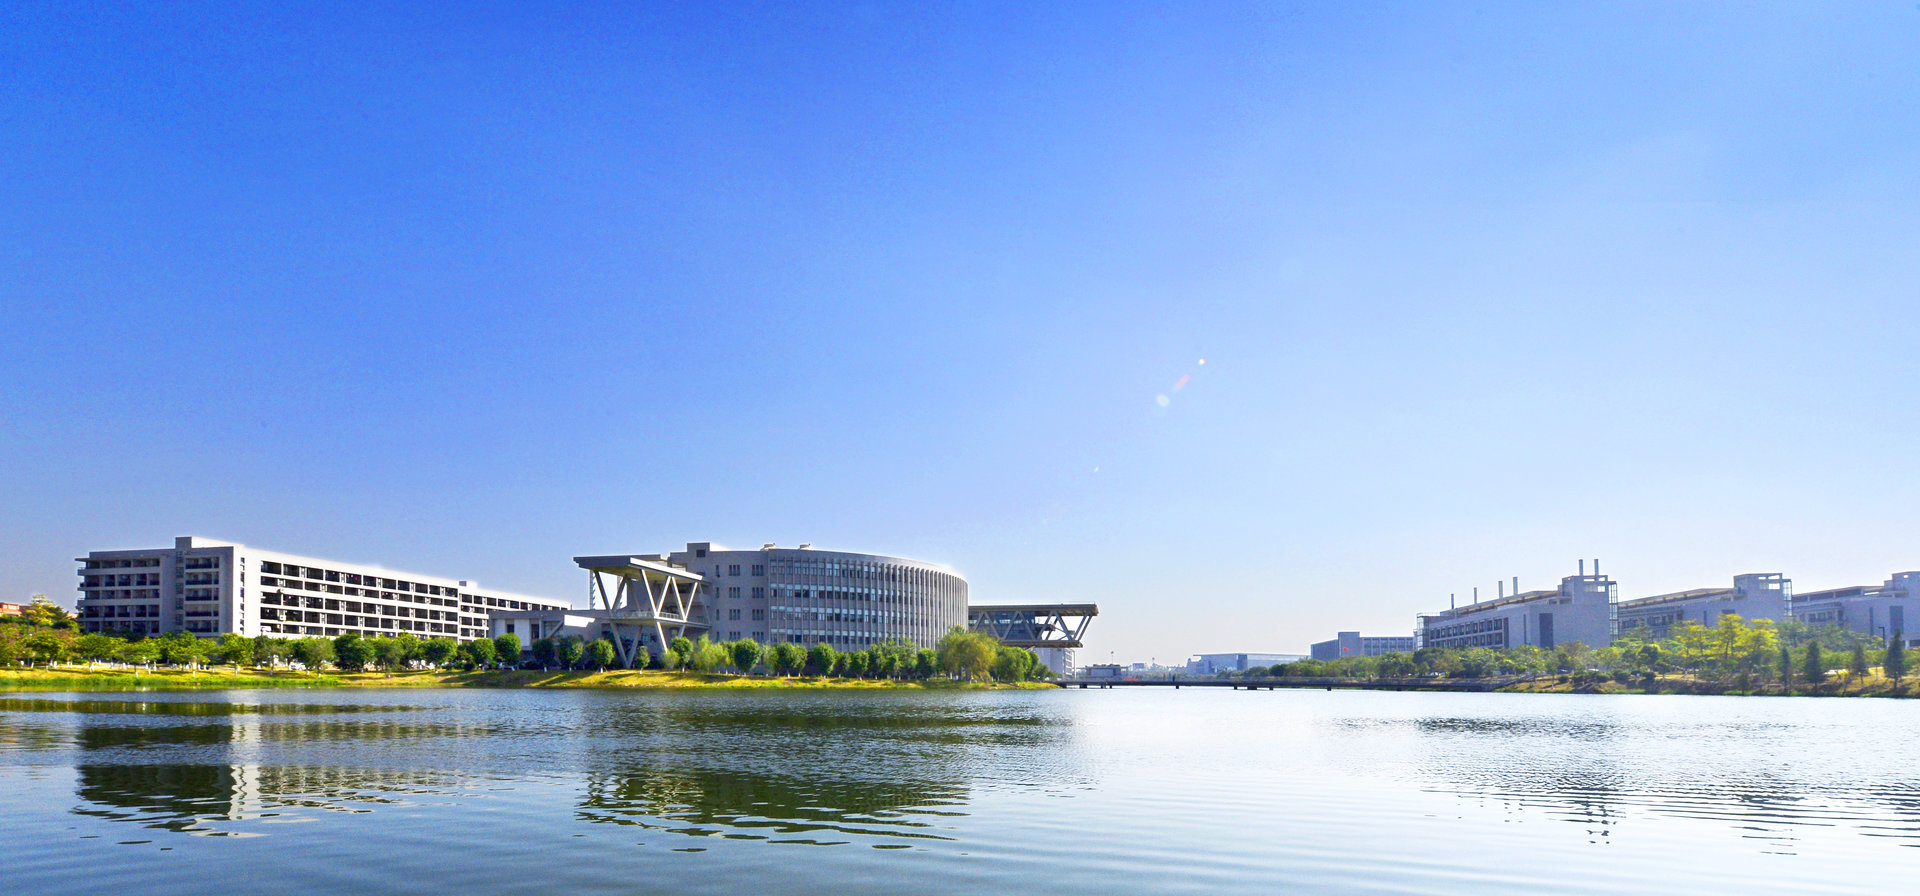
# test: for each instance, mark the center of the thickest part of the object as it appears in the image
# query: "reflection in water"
(1597, 772)
(743, 805)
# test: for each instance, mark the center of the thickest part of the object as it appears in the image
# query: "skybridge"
(648, 595)
(1033, 625)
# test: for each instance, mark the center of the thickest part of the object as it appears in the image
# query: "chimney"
(1450, 602)
(1583, 566)
(1516, 584)
(1503, 590)
(1476, 594)
(1596, 566)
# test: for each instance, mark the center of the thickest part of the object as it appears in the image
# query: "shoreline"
(109, 680)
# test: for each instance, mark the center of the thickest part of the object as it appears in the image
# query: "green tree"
(313, 653)
(1814, 668)
(1786, 666)
(1011, 664)
(268, 649)
(235, 649)
(181, 649)
(1857, 664)
(390, 653)
(45, 613)
(926, 663)
(858, 661)
(682, 648)
(507, 648)
(95, 647)
(43, 647)
(439, 651)
(640, 657)
(1895, 663)
(139, 653)
(788, 658)
(821, 659)
(601, 654)
(544, 653)
(351, 652)
(480, 651)
(571, 652)
(746, 655)
(965, 654)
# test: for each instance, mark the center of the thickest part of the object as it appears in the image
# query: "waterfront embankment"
(82, 678)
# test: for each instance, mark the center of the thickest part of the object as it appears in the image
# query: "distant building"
(1581, 609)
(1877, 610)
(7, 609)
(210, 588)
(1349, 644)
(1216, 663)
(1103, 670)
(1759, 595)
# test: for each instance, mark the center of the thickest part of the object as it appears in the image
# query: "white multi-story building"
(1878, 610)
(1581, 609)
(1351, 644)
(1754, 595)
(210, 588)
(804, 596)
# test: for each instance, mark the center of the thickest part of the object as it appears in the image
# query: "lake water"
(1032, 792)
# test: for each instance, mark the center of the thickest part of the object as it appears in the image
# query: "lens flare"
(1185, 378)
(1162, 400)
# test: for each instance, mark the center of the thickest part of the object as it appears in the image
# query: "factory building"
(1581, 609)
(1352, 644)
(1878, 610)
(1759, 595)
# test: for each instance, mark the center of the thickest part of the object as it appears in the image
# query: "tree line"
(46, 633)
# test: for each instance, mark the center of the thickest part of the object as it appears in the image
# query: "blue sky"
(1481, 290)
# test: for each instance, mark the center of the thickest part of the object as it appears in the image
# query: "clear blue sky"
(1481, 290)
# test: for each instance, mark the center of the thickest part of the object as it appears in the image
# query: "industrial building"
(1350, 644)
(1878, 610)
(1758, 595)
(210, 588)
(1581, 609)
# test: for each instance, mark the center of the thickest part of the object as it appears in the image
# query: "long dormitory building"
(210, 588)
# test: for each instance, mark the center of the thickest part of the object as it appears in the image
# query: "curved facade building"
(802, 596)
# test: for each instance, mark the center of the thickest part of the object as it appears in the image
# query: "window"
(759, 593)
(759, 569)
(759, 615)
(733, 569)
(733, 613)
(700, 552)
(733, 592)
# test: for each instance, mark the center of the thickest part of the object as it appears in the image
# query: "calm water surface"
(1190, 791)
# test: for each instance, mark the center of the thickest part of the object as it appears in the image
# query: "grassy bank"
(81, 678)
(1838, 686)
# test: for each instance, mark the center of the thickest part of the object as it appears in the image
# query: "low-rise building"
(1216, 663)
(1350, 644)
(1581, 609)
(1877, 610)
(1755, 595)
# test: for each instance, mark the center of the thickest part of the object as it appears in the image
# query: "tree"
(1895, 664)
(96, 647)
(439, 651)
(926, 662)
(821, 658)
(43, 646)
(1857, 664)
(267, 649)
(1786, 666)
(858, 662)
(235, 649)
(45, 613)
(788, 658)
(139, 653)
(601, 654)
(966, 654)
(180, 648)
(543, 652)
(571, 651)
(682, 648)
(480, 651)
(507, 648)
(1813, 668)
(1011, 664)
(351, 652)
(746, 655)
(313, 653)
(390, 653)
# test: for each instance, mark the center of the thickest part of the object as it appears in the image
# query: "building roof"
(1676, 597)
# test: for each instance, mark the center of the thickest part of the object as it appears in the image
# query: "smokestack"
(1450, 603)
(1583, 566)
(1476, 594)
(1502, 586)
(1596, 566)
(1516, 584)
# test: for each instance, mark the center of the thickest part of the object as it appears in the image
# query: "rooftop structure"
(1878, 610)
